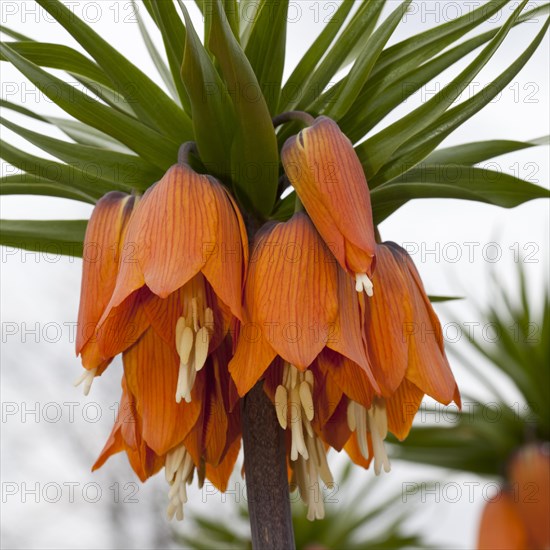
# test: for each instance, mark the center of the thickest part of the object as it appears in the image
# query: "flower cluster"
(336, 325)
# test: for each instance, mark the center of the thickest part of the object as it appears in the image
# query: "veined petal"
(401, 408)
(151, 368)
(291, 290)
(219, 475)
(253, 355)
(100, 261)
(347, 375)
(387, 313)
(329, 179)
(226, 256)
(335, 431)
(346, 337)
(123, 325)
(178, 219)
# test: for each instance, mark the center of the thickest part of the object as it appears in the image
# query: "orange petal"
(252, 357)
(348, 376)
(100, 261)
(329, 179)
(347, 336)
(219, 475)
(401, 408)
(354, 452)
(291, 290)
(151, 368)
(335, 431)
(428, 368)
(530, 474)
(386, 313)
(326, 394)
(177, 221)
(501, 527)
(124, 325)
(226, 256)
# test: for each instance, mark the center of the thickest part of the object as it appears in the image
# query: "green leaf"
(266, 49)
(56, 56)
(13, 34)
(79, 132)
(453, 182)
(28, 184)
(69, 176)
(140, 138)
(387, 90)
(211, 105)
(124, 171)
(360, 27)
(432, 41)
(359, 73)
(438, 299)
(313, 56)
(248, 10)
(377, 150)
(479, 151)
(47, 236)
(155, 55)
(422, 144)
(173, 34)
(254, 153)
(150, 102)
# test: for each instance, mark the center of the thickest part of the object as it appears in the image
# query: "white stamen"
(193, 334)
(363, 283)
(306, 399)
(86, 378)
(178, 477)
(202, 339)
(281, 400)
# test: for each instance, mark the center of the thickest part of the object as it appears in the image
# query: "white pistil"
(295, 410)
(194, 331)
(374, 421)
(179, 469)
(363, 283)
(86, 379)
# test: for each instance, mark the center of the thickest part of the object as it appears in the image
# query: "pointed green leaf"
(421, 145)
(266, 49)
(57, 56)
(140, 138)
(28, 184)
(359, 73)
(79, 132)
(173, 34)
(155, 55)
(388, 89)
(254, 154)
(454, 182)
(479, 151)
(76, 177)
(13, 34)
(306, 65)
(360, 27)
(377, 150)
(211, 106)
(64, 237)
(127, 171)
(150, 102)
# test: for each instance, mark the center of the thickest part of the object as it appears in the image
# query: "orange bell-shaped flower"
(325, 171)
(405, 342)
(102, 251)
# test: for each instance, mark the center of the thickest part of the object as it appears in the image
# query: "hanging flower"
(102, 252)
(405, 341)
(302, 317)
(323, 167)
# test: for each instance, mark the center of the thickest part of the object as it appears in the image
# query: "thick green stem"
(266, 474)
